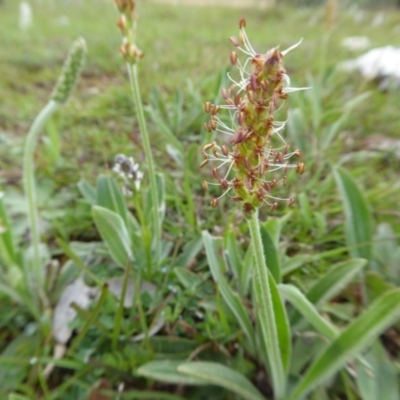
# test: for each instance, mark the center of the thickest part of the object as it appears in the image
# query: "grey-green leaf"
(109, 196)
(359, 226)
(166, 371)
(380, 382)
(231, 298)
(356, 337)
(335, 280)
(332, 283)
(115, 234)
(271, 254)
(223, 376)
(307, 309)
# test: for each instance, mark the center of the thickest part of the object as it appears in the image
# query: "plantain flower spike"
(70, 72)
(126, 23)
(258, 157)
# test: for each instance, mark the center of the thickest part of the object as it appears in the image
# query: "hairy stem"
(133, 77)
(30, 193)
(265, 309)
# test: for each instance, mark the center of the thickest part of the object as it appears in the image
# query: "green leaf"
(376, 284)
(332, 283)
(232, 254)
(190, 251)
(160, 181)
(8, 250)
(335, 280)
(166, 371)
(165, 130)
(358, 223)
(334, 129)
(282, 323)
(355, 338)
(307, 309)
(295, 262)
(271, 254)
(187, 278)
(297, 127)
(305, 211)
(14, 365)
(274, 226)
(10, 292)
(87, 191)
(223, 376)
(109, 196)
(16, 396)
(215, 262)
(168, 347)
(114, 232)
(269, 307)
(380, 382)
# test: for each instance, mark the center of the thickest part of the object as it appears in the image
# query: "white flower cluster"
(128, 170)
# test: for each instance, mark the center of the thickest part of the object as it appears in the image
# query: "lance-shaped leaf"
(355, 338)
(115, 234)
(223, 376)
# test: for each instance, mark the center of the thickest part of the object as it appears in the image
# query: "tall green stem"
(133, 78)
(30, 193)
(266, 309)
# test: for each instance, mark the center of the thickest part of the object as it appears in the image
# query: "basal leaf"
(355, 338)
(115, 234)
(220, 375)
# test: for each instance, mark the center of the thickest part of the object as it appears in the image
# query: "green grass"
(186, 56)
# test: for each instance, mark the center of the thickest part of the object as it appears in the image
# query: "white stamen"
(284, 52)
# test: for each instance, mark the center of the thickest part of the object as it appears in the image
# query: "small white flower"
(128, 170)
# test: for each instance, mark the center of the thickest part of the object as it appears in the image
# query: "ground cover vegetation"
(128, 280)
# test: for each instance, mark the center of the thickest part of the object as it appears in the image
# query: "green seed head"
(70, 72)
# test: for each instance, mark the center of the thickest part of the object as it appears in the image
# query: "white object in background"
(356, 43)
(25, 16)
(380, 63)
(76, 292)
(378, 19)
(63, 20)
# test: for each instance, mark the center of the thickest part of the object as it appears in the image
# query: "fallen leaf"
(77, 292)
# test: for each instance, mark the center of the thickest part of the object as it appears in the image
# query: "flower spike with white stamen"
(258, 149)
